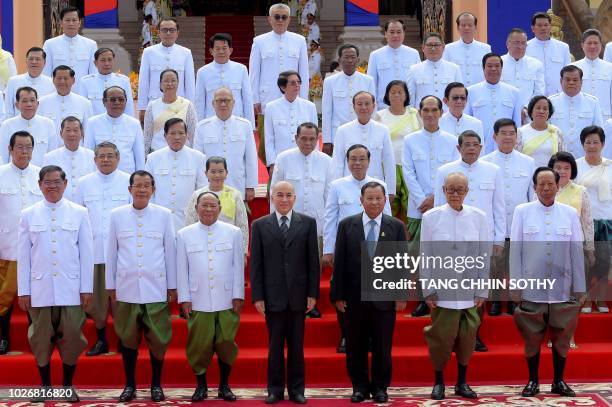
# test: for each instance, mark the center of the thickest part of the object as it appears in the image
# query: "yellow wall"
(28, 29)
(477, 7)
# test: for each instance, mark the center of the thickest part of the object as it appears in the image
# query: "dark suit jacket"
(284, 272)
(346, 278)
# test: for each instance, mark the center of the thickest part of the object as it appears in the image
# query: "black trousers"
(285, 326)
(362, 322)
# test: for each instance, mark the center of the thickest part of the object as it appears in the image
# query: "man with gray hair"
(274, 52)
(101, 192)
(231, 137)
(454, 315)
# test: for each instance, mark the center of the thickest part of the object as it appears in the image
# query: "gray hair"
(106, 144)
(223, 88)
(279, 6)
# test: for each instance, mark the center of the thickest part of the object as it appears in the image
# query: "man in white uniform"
(608, 52)
(222, 72)
(41, 128)
(101, 192)
(431, 76)
(274, 52)
(119, 128)
(70, 48)
(455, 121)
(55, 277)
(18, 190)
(517, 169)
(391, 61)
(547, 244)
(597, 79)
(338, 92)
(309, 171)
(364, 130)
(210, 282)
(159, 57)
(454, 315)
(552, 53)
(423, 152)
(284, 115)
(64, 102)
(486, 192)
(492, 99)
(74, 159)
(230, 137)
(92, 86)
(178, 171)
(33, 78)
(522, 71)
(466, 51)
(574, 109)
(141, 279)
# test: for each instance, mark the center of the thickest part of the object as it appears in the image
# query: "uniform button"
(140, 235)
(53, 251)
(139, 254)
(140, 225)
(52, 229)
(54, 274)
(55, 263)
(211, 277)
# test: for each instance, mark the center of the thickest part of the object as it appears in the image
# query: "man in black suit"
(365, 319)
(285, 286)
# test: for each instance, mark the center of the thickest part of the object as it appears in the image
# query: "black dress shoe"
(531, 389)
(421, 310)
(480, 346)
(561, 388)
(71, 395)
(495, 309)
(99, 348)
(357, 397)
(438, 392)
(511, 307)
(273, 399)
(4, 347)
(464, 390)
(298, 399)
(314, 313)
(200, 393)
(380, 396)
(42, 395)
(341, 348)
(128, 394)
(226, 394)
(157, 394)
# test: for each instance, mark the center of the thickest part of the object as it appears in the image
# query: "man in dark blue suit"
(366, 319)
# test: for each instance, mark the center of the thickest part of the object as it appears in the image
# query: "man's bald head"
(455, 189)
(456, 178)
(283, 197)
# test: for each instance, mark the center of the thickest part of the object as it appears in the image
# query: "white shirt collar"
(140, 212)
(288, 215)
(432, 134)
(359, 182)
(168, 49)
(210, 228)
(453, 211)
(576, 98)
(365, 219)
(492, 85)
(466, 165)
(114, 120)
(435, 64)
(106, 177)
(55, 205)
(545, 208)
(19, 170)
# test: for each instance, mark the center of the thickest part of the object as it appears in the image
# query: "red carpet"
(595, 395)
(504, 363)
(241, 30)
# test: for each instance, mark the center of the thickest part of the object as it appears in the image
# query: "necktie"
(371, 238)
(283, 227)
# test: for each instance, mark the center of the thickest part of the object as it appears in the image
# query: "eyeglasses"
(116, 100)
(519, 43)
(452, 191)
(55, 183)
(279, 17)
(468, 145)
(106, 156)
(456, 98)
(23, 148)
(223, 101)
(294, 83)
(434, 46)
(142, 186)
(168, 30)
